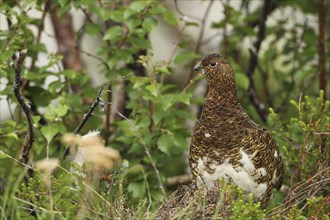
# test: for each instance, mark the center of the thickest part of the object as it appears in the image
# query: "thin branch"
(91, 109)
(41, 27)
(299, 191)
(179, 180)
(200, 39)
(253, 62)
(190, 83)
(24, 158)
(83, 52)
(170, 59)
(17, 161)
(201, 33)
(97, 101)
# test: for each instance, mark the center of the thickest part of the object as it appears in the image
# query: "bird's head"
(217, 71)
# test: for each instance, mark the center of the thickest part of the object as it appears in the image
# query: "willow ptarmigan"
(227, 144)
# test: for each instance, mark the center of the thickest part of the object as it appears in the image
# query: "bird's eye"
(213, 63)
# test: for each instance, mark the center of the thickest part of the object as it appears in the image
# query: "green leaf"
(167, 101)
(143, 122)
(158, 115)
(185, 56)
(49, 132)
(135, 148)
(55, 87)
(169, 17)
(92, 29)
(242, 80)
(136, 169)
(40, 96)
(36, 119)
(9, 123)
(163, 69)
(141, 43)
(164, 144)
(159, 9)
(33, 51)
(12, 135)
(152, 89)
(185, 115)
(137, 6)
(139, 81)
(137, 189)
(99, 11)
(149, 24)
(133, 24)
(3, 73)
(71, 74)
(134, 8)
(117, 15)
(126, 127)
(179, 141)
(184, 98)
(60, 127)
(61, 110)
(112, 33)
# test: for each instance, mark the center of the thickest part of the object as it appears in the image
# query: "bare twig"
(89, 113)
(200, 39)
(253, 62)
(302, 190)
(41, 27)
(97, 101)
(176, 180)
(169, 61)
(84, 52)
(26, 109)
(17, 161)
(91, 109)
(191, 82)
(201, 33)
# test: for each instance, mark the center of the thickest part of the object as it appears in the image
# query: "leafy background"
(149, 103)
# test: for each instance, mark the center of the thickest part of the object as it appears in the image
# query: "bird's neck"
(221, 96)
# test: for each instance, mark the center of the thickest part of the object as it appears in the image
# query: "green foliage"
(304, 138)
(243, 209)
(304, 141)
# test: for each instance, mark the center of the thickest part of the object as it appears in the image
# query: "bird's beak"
(198, 67)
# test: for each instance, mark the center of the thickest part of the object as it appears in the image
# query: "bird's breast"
(244, 174)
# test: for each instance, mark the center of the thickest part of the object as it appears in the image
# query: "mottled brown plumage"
(227, 143)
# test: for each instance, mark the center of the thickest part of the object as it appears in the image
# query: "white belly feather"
(244, 176)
